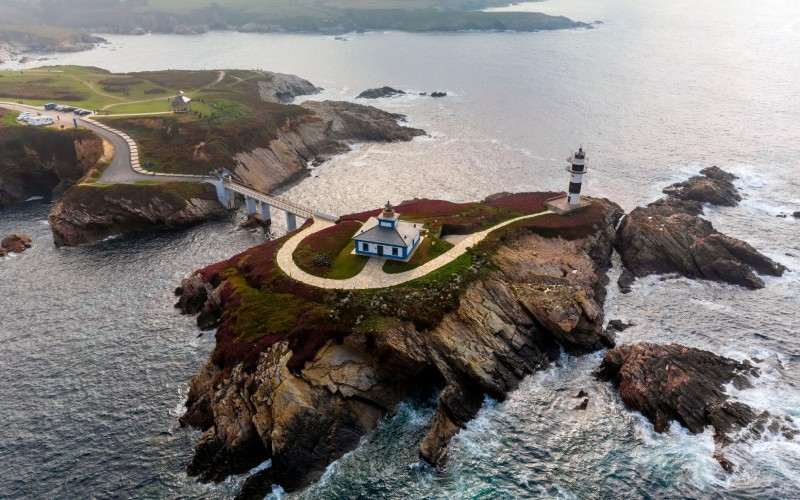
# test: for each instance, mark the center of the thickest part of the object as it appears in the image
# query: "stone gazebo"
(181, 103)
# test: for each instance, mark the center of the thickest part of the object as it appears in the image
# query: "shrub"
(323, 259)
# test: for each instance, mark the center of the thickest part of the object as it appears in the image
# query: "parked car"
(59, 108)
(68, 109)
(85, 112)
(49, 106)
(23, 117)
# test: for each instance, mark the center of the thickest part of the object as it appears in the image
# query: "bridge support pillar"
(229, 199)
(250, 203)
(291, 221)
(265, 215)
(224, 195)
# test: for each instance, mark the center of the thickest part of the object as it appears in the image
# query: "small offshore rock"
(625, 281)
(581, 394)
(619, 325)
(438, 94)
(726, 464)
(582, 405)
(796, 214)
(16, 243)
(253, 221)
(380, 92)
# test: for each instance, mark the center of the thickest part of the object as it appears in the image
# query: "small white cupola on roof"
(388, 217)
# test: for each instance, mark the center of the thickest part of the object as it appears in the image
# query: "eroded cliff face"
(41, 162)
(538, 295)
(88, 213)
(330, 130)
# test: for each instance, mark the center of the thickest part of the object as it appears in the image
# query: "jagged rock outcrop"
(668, 383)
(715, 186)
(377, 93)
(88, 213)
(332, 127)
(40, 162)
(542, 294)
(283, 88)
(667, 236)
(14, 242)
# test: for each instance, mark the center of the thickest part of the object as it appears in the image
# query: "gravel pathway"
(372, 276)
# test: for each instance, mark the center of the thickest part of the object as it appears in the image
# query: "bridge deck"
(286, 206)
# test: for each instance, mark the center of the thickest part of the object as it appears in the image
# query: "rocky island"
(299, 373)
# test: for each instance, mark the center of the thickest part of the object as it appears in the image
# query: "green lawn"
(347, 264)
(429, 248)
(329, 253)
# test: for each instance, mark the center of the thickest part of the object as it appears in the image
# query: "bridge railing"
(286, 206)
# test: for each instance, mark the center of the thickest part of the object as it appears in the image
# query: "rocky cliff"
(300, 374)
(92, 212)
(16, 40)
(44, 162)
(326, 131)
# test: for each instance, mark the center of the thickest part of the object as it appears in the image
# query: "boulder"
(438, 94)
(16, 243)
(796, 214)
(379, 92)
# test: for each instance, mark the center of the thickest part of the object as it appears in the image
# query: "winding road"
(120, 169)
(372, 276)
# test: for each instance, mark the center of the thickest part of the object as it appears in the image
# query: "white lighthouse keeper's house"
(387, 236)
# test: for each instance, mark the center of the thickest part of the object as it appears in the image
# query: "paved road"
(120, 169)
(372, 276)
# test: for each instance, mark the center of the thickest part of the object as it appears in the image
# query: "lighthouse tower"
(577, 167)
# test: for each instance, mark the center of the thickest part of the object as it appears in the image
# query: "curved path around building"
(124, 166)
(372, 276)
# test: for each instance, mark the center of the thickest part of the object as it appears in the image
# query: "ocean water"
(97, 360)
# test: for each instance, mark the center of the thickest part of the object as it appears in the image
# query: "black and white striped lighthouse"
(577, 167)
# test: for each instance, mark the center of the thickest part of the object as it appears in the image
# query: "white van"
(24, 116)
(40, 120)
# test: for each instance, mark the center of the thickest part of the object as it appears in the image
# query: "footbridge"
(260, 203)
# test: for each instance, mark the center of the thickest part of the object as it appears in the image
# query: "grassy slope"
(232, 117)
